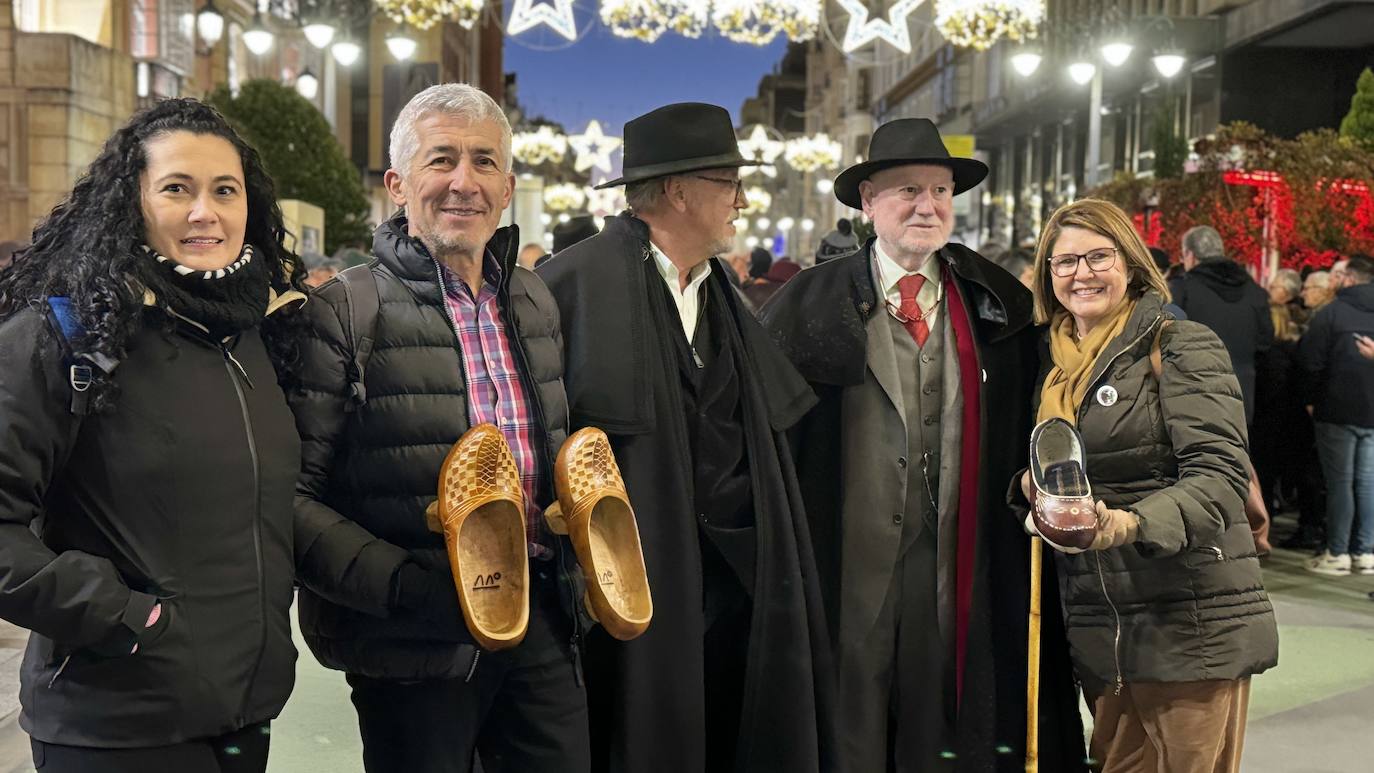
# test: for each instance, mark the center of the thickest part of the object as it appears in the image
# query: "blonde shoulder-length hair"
(1106, 219)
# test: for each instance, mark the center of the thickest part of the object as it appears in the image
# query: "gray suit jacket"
(874, 436)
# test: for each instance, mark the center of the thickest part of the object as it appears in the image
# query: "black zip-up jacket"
(368, 473)
(1338, 380)
(180, 494)
(1221, 295)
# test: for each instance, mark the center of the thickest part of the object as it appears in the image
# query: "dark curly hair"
(85, 249)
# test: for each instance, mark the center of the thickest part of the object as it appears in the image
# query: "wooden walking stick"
(1033, 664)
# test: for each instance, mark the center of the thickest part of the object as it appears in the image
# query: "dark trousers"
(894, 684)
(243, 751)
(522, 711)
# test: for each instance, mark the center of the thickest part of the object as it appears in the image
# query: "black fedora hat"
(677, 138)
(901, 142)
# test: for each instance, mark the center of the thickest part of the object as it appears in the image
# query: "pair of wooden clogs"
(481, 513)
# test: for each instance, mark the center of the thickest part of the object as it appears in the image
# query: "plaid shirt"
(495, 393)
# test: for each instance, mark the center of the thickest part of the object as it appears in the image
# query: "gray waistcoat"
(920, 369)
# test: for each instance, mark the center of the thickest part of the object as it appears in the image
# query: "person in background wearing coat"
(1167, 614)
(148, 457)
(1339, 394)
(1219, 293)
(921, 352)
(733, 674)
(464, 337)
(840, 241)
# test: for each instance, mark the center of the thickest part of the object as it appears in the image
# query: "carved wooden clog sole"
(481, 512)
(594, 511)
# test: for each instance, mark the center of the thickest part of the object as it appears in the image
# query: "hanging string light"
(561, 197)
(759, 201)
(424, 14)
(646, 20)
(758, 22)
(540, 146)
(981, 23)
(809, 154)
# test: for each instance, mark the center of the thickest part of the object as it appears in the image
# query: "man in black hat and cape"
(923, 357)
(734, 673)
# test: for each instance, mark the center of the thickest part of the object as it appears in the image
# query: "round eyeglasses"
(1099, 260)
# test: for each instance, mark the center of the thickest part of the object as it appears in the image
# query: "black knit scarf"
(227, 301)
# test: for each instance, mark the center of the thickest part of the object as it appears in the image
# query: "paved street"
(1310, 715)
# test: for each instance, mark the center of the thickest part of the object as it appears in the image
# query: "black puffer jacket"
(180, 494)
(1221, 295)
(1187, 597)
(368, 474)
(1338, 380)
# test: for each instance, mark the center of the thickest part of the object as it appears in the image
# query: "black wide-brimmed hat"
(683, 137)
(901, 142)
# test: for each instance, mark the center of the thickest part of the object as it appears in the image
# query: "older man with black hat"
(733, 674)
(922, 355)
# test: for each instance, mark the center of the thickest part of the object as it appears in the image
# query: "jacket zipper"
(1116, 641)
(518, 348)
(230, 361)
(526, 380)
(1101, 577)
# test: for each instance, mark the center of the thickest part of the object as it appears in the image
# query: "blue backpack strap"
(79, 373)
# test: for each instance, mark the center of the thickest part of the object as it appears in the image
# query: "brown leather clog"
(594, 511)
(481, 510)
(1064, 511)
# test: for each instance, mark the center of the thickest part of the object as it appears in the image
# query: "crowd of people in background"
(1298, 347)
(762, 414)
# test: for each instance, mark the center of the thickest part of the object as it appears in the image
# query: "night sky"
(613, 79)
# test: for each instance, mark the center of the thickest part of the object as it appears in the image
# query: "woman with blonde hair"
(1166, 614)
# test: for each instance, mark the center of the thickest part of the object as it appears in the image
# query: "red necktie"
(909, 286)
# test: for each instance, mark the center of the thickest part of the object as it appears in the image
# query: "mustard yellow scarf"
(1068, 381)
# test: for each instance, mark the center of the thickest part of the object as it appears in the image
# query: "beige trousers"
(1171, 727)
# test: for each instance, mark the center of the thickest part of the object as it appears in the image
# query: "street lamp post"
(1094, 131)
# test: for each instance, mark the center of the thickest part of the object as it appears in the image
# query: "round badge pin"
(1106, 396)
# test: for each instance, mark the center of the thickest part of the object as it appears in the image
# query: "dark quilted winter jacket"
(1187, 595)
(368, 474)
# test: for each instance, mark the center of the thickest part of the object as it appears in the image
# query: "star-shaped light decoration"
(604, 203)
(593, 148)
(557, 17)
(894, 29)
(762, 148)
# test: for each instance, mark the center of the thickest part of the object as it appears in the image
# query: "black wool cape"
(647, 703)
(819, 319)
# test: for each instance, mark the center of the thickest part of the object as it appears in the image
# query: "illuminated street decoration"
(593, 148)
(981, 23)
(424, 14)
(762, 148)
(863, 30)
(558, 17)
(646, 20)
(538, 147)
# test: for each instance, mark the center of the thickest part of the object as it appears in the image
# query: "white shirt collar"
(889, 273)
(688, 300)
(670, 274)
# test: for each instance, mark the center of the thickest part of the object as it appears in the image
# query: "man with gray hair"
(1219, 293)
(460, 335)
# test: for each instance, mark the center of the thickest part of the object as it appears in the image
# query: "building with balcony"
(1287, 66)
(72, 71)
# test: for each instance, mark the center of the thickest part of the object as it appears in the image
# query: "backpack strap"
(79, 366)
(1156, 356)
(364, 304)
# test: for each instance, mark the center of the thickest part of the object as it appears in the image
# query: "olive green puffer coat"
(1186, 601)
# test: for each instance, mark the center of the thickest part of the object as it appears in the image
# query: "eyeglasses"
(738, 185)
(1098, 260)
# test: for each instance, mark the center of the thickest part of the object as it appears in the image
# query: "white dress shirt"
(689, 300)
(887, 273)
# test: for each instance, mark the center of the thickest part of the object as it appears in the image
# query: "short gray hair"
(644, 195)
(456, 99)
(1289, 280)
(1204, 242)
(1318, 279)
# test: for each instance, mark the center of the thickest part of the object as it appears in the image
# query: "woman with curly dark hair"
(148, 458)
